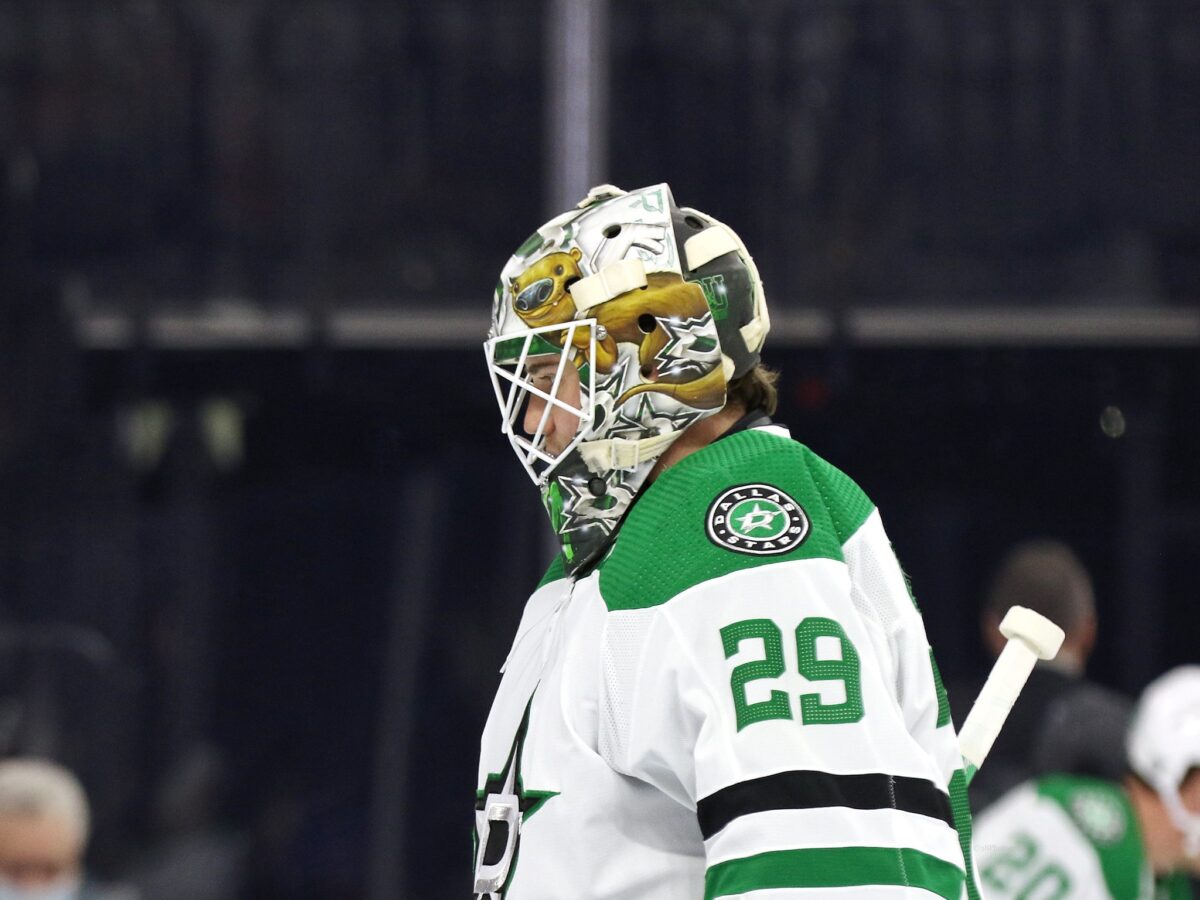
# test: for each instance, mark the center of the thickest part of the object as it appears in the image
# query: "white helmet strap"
(613, 280)
(1188, 823)
(621, 453)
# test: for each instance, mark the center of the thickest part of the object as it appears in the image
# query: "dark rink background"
(262, 546)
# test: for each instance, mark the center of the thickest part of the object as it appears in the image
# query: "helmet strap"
(620, 453)
(1188, 823)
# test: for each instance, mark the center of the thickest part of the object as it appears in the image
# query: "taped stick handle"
(1031, 637)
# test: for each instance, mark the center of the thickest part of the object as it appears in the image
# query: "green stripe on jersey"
(556, 571)
(1101, 812)
(663, 548)
(829, 867)
(1174, 887)
(960, 805)
(940, 688)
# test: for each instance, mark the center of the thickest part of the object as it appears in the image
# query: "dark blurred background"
(262, 546)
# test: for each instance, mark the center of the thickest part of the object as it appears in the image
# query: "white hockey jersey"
(1064, 837)
(740, 700)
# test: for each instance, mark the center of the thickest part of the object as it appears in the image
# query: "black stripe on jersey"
(813, 790)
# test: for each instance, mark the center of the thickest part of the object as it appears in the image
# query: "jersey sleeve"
(794, 707)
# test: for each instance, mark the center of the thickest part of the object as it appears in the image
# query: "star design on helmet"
(626, 425)
(649, 200)
(648, 241)
(663, 420)
(648, 419)
(568, 233)
(691, 347)
(614, 382)
(645, 240)
(582, 509)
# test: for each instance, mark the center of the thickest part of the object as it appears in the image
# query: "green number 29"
(813, 711)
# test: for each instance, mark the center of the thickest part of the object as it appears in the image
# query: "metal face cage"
(511, 361)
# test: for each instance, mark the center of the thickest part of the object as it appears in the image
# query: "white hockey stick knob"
(1031, 637)
(1033, 630)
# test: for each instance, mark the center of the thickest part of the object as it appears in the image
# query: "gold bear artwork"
(542, 296)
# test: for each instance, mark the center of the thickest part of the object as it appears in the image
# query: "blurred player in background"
(44, 829)
(722, 686)
(1062, 722)
(1063, 836)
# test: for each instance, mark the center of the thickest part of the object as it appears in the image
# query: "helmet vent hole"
(647, 323)
(693, 222)
(649, 372)
(611, 231)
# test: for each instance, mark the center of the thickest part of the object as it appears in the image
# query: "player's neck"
(698, 436)
(1160, 840)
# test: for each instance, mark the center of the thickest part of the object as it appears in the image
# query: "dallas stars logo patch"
(758, 519)
(1099, 814)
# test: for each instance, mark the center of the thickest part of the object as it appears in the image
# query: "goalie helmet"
(628, 316)
(1163, 744)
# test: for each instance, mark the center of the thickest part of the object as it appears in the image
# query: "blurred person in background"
(1077, 838)
(722, 685)
(44, 830)
(1062, 722)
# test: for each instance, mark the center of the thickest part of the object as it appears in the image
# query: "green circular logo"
(759, 519)
(1100, 815)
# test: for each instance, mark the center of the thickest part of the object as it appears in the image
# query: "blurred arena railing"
(395, 327)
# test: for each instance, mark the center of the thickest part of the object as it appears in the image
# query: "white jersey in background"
(739, 701)
(1064, 837)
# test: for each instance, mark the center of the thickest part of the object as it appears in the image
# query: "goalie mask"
(615, 326)
(1164, 744)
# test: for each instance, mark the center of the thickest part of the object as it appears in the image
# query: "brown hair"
(1046, 576)
(756, 390)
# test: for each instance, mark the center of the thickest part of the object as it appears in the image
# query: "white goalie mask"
(1164, 744)
(615, 326)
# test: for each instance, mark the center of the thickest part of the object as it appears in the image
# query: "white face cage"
(509, 364)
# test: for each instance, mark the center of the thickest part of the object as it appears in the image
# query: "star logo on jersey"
(758, 519)
(1099, 814)
(502, 806)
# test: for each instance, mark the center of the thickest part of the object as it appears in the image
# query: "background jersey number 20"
(812, 710)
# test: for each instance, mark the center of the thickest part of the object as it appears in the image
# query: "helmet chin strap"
(1191, 842)
(1188, 823)
(620, 453)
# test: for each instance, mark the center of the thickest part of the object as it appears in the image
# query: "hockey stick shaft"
(1030, 637)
